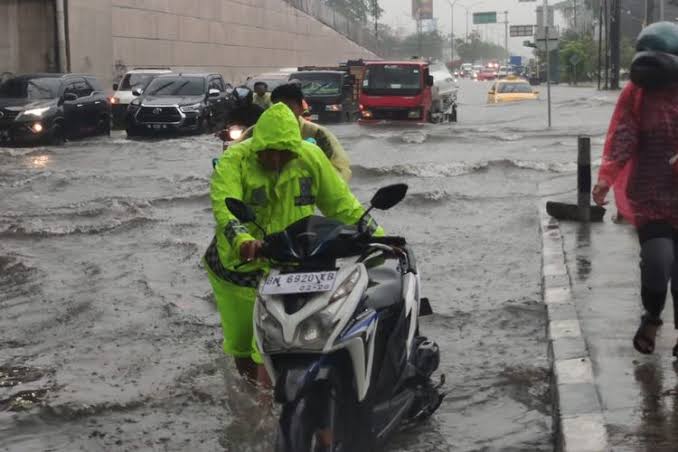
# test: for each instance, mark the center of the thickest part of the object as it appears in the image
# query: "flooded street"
(109, 338)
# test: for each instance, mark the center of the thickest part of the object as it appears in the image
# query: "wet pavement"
(109, 339)
(638, 394)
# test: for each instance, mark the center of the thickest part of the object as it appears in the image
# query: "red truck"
(403, 91)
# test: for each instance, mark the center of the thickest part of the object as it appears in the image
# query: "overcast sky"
(398, 13)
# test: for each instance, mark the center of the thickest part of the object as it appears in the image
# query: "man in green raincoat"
(284, 179)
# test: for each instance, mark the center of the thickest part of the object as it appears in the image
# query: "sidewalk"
(620, 400)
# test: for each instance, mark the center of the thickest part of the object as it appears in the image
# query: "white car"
(503, 72)
(137, 78)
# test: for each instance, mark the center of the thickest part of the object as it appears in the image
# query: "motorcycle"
(337, 323)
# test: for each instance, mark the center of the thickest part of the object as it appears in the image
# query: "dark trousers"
(658, 266)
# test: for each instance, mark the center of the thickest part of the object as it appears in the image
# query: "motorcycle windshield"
(313, 237)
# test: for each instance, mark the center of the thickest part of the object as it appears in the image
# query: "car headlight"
(191, 108)
(334, 107)
(367, 114)
(414, 114)
(37, 112)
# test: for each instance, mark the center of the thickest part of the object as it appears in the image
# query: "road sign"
(541, 44)
(485, 18)
(518, 31)
(575, 59)
(529, 43)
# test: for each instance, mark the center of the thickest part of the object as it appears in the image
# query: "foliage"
(357, 10)
(475, 49)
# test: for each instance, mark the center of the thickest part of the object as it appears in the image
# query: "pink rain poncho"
(642, 138)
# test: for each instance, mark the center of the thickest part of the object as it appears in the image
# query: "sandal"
(645, 337)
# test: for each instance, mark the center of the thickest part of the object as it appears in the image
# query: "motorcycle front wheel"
(323, 420)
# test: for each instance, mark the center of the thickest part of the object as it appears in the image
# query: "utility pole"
(607, 45)
(649, 12)
(661, 10)
(452, 29)
(548, 57)
(376, 23)
(615, 42)
(600, 42)
(575, 15)
(506, 34)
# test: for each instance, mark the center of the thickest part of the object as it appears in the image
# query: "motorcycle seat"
(385, 288)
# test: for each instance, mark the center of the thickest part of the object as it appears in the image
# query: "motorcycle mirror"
(136, 92)
(389, 196)
(241, 210)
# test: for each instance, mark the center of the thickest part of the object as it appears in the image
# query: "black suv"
(48, 108)
(180, 103)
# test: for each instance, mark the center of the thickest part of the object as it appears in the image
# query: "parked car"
(196, 103)
(137, 78)
(49, 108)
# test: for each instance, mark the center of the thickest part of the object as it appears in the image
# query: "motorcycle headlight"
(335, 107)
(235, 132)
(191, 108)
(269, 329)
(346, 287)
(37, 112)
(314, 332)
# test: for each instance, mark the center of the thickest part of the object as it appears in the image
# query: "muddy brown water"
(109, 339)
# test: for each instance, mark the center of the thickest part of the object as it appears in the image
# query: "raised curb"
(579, 423)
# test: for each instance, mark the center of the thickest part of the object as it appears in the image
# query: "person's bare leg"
(247, 369)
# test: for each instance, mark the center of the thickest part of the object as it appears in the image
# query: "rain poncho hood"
(656, 63)
(277, 129)
(278, 198)
(641, 140)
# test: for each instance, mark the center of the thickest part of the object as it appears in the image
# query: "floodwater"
(109, 339)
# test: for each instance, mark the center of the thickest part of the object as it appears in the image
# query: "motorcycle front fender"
(294, 381)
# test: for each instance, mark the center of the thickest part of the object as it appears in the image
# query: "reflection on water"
(658, 428)
(39, 161)
(584, 265)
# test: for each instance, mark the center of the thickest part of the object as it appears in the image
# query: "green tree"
(475, 49)
(357, 10)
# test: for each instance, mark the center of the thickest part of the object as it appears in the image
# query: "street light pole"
(452, 3)
(548, 58)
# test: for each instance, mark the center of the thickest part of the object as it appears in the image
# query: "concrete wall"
(233, 37)
(89, 37)
(27, 36)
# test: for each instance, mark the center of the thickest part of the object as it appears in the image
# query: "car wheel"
(57, 136)
(132, 132)
(204, 126)
(104, 126)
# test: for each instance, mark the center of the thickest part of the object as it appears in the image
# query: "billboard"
(521, 30)
(422, 9)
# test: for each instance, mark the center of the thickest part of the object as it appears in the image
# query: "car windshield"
(30, 88)
(508, 88)
(176, 86)
(136, 80)
(398, 79)
(319, 84)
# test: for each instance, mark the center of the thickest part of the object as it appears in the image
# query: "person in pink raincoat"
(641, 144)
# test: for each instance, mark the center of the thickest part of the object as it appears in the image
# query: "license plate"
(299, 283)
(314, 117)
(157, 126)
